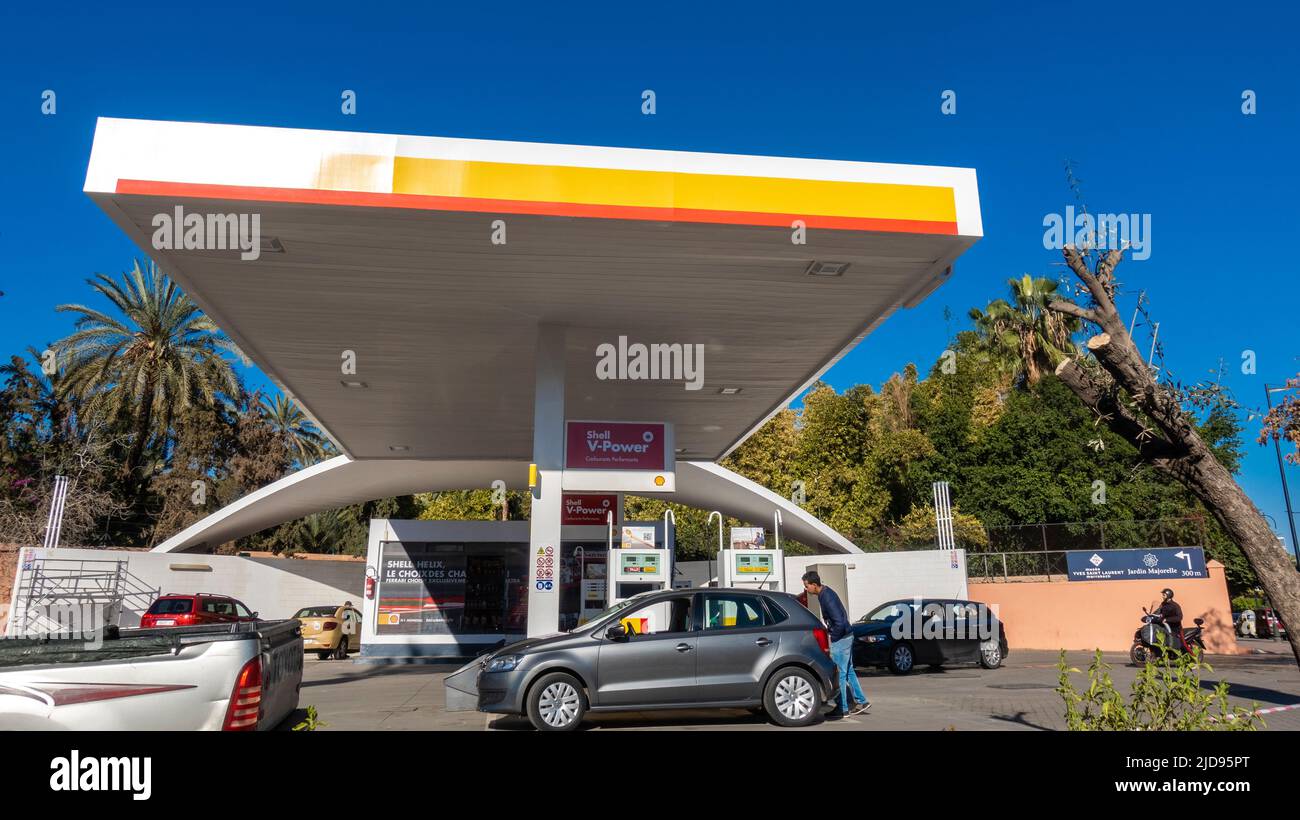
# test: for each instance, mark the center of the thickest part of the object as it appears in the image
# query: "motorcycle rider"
(1172, 614)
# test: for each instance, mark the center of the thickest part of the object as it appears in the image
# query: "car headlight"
(504, 663)
(875, 638)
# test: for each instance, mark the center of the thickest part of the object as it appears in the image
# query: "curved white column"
(341, 481)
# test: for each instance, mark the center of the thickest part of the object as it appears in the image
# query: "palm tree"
(320, 532)
(37, 396)
(1022, 334)
(305, 442)
(996, 326)
(160, 357)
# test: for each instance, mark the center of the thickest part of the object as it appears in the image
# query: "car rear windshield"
(171, 606)
(316, 612)
(775, 611)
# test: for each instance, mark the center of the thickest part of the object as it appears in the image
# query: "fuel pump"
(638, 565)
(749, 564)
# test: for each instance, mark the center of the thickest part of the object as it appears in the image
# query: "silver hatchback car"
(702, 648)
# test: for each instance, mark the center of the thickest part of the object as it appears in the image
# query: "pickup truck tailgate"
(186, 687)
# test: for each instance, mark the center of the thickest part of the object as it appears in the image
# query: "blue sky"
(1147, 103)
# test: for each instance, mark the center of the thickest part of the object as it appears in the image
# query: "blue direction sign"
(1136, 565)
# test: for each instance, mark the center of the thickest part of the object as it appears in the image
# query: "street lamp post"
(1281, 469)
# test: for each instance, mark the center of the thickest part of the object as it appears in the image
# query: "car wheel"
(901, 659)
(342, 652)
(791, 697)
(991, 658)
(557, 703)
(324, 654)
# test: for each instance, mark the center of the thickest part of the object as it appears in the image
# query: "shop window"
(457, 589)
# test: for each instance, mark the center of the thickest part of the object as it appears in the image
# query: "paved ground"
(1019, 696)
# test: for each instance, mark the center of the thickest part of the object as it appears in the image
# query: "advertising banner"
(1136, 565)
(622, 456)
(638, 538)
(614, 445)
(421, 591)
(748, 538)
(587, 508)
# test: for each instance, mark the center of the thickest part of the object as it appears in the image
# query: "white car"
(231, 677)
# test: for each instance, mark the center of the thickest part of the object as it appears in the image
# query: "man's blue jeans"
(842, 654)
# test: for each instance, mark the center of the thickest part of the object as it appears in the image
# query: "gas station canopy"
(433, 262)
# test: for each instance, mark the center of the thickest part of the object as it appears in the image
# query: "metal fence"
(1038, 550)
(1098, 535)
(991, 566)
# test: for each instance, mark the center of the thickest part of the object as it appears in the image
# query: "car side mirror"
(255, 614)
(616, 632)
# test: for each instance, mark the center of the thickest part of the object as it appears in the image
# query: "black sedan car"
(901, 634)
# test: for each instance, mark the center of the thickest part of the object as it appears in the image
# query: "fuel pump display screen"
(639, 563)
(753, 564)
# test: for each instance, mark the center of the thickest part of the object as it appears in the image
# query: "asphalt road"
(1017, 697)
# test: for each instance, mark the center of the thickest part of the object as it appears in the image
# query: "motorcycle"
(1155, 639)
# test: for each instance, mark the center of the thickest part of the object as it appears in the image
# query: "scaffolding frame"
(46, 587)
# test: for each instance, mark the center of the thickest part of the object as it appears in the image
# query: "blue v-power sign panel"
(1136, 565)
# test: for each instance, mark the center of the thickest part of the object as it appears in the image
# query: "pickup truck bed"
(180, 678)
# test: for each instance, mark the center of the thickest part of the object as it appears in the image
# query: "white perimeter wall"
(275, 592)
(264, 587)
(874, 577)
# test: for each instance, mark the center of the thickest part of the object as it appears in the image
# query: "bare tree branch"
(1179, 450)
(1118, 417)
(1071, 309)
(1132, 374)
(1079, 264)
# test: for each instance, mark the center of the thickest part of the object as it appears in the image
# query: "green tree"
(1022, 335)
(305, 442)
(918, 529)
(41, 436)
(321, 532)
(471, 505)
(161, 356)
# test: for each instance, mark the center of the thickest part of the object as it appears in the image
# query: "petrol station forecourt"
(440, 308)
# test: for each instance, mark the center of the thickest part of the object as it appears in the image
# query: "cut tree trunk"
(1211, 482)
(1169, 440)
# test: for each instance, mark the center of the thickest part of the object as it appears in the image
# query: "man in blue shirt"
(841, 635)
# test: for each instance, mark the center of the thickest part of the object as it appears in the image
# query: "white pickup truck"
(231, 677)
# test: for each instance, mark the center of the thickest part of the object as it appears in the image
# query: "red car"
(190, 610)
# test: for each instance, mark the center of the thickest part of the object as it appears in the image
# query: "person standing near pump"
(841, 635)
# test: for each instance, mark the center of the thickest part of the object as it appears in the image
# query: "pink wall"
(1104, 614)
